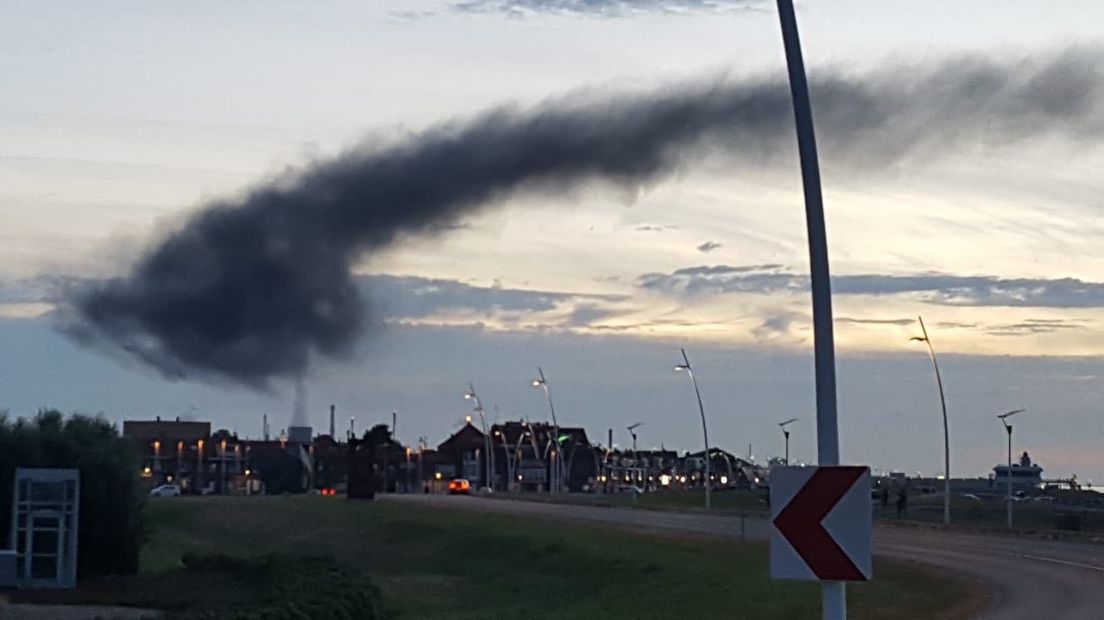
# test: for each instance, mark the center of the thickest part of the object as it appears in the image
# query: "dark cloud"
(708, 247)
(939, 289)
(600, 8)
(251, 288)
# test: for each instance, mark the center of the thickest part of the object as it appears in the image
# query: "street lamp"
(685, 366)
(506, 451)
(541, 383)
(487, 445)
(632, 431)
(1008, 427)
(786, 434)
(946, 433)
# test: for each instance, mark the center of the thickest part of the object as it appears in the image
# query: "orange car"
(459, 486)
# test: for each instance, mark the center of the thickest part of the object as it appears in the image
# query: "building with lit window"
(187, 454)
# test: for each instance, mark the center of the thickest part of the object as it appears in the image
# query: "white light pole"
(488, 444)
(556, 473)
(786, 435)
(685, 366)
(1008, 474)
(834, 594)
(946, 433)
(509, 463)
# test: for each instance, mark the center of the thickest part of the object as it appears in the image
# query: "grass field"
(438, 564)
(726, 501)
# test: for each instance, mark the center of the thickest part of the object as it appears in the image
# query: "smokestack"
(202, 302)
(300, 430)
(264, 426)
(609, 442)
(333, 432)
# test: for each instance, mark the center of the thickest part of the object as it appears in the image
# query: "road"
(1030, 579)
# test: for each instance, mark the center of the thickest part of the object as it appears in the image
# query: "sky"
(120, 121)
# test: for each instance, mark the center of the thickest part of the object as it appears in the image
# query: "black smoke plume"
(249, 289)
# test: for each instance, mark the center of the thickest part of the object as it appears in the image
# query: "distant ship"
(1024, 475)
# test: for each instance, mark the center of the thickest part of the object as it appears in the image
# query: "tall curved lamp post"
(685, 367)
(488, 444)
(946, 433)
(557, 469)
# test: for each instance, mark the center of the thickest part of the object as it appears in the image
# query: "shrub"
(110, 527)
(286, 587)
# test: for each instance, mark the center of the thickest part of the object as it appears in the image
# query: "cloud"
(407, 16)
(776, 325)
(254, 287)
(955, 325)
(39, 289)
(587, 315)
(655, 228)
(854, 321)
(600, 8)
(933, 288)
(1031, 327)
(413, 297)
(708, 247)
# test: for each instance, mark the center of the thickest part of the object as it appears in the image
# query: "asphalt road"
(1030, 579)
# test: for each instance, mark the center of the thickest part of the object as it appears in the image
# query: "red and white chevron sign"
(821, 518)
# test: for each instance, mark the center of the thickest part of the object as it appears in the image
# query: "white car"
(165, 490)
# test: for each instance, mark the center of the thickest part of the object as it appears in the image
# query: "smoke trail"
(250, 289)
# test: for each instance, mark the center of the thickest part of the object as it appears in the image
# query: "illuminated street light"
(556, 470)
(946, 433)
(685, 367)
(488, 445)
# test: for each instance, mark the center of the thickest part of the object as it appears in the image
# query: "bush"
(288, 587)
(110, 528)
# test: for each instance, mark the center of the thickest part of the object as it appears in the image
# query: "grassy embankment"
(435, 563)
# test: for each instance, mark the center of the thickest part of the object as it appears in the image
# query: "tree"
(110, 527)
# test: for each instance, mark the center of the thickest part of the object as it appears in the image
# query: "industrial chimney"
(333, 431)
(300, 430)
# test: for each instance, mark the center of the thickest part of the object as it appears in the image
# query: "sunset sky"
(119, 122)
